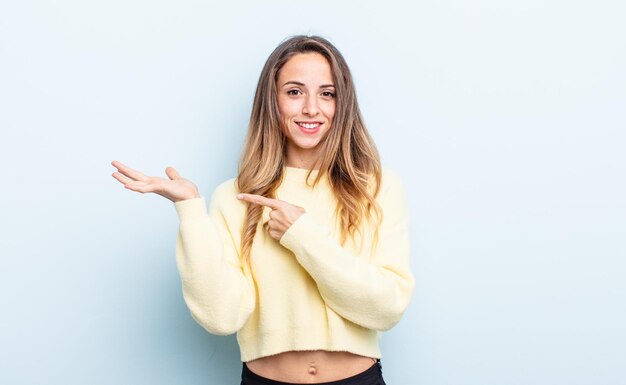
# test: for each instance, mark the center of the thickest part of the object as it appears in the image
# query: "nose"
(310, 106)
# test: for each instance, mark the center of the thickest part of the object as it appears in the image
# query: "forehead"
(308, 68)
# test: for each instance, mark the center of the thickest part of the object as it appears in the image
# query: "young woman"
(305, 255)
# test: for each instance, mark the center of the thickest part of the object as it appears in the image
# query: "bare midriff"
(310, 366)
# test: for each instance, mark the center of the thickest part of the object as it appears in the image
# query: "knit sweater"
(306, 291)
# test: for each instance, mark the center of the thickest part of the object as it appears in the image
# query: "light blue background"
(506, 119)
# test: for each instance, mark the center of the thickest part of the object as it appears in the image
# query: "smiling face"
(306, 102)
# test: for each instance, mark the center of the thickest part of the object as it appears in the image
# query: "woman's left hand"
(282, 216)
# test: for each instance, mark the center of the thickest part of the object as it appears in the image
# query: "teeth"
(309, 125)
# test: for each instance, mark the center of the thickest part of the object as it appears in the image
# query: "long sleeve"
(371, 291)
(217, 287)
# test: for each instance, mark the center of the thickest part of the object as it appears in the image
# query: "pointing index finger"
(260, 200)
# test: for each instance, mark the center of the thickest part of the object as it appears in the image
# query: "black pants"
(371, 376)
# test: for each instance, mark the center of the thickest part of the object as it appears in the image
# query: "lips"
(309, 127)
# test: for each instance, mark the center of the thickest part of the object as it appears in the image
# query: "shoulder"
(391, 182)
(225, 194)
(392, 195)
(390, 176)
(226, 188)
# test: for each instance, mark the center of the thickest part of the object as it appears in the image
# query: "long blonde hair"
(349, 156)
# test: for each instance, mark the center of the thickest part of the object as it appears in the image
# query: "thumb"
(172, 173)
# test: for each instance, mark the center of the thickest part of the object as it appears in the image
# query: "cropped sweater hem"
(279, 341)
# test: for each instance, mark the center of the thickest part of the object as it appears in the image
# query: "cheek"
(281, 106)
(287, 109)
(283, 112)
(330, 111)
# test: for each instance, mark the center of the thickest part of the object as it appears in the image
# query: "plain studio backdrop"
(505, 119)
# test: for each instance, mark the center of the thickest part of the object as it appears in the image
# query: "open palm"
(175, 188)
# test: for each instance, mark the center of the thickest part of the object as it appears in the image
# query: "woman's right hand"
(175, 188)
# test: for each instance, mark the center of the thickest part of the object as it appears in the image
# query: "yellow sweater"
(306, 292)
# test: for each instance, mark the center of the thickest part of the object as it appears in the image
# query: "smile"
(309, 126)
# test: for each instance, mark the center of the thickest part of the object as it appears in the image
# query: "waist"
(310, 365)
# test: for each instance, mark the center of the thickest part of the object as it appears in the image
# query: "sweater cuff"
(304, 228)
(190, 209)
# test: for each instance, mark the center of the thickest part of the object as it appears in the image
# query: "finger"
(172, 173)
(275, 234)
(120, 177)
(140, 186)
(129, 172)
(261, 200)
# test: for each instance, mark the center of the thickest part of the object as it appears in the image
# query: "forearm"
(372, 293)
(219, 294)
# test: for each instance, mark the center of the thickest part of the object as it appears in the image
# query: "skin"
(312, 99)
(305, 94)
(176, 188)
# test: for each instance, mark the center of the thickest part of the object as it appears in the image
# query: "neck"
(302, 159)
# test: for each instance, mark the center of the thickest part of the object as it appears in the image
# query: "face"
(306, 101)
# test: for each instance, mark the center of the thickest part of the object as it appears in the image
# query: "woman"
(305, 255)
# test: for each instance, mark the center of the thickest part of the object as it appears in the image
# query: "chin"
(308, 145)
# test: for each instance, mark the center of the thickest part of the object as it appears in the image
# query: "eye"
(328, 93)
(292, 92)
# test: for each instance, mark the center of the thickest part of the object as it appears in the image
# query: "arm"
(217, 287)
(373, 293)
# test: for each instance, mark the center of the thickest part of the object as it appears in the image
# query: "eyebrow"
(302, 84)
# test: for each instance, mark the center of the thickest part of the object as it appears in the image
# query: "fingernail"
(239, 196)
